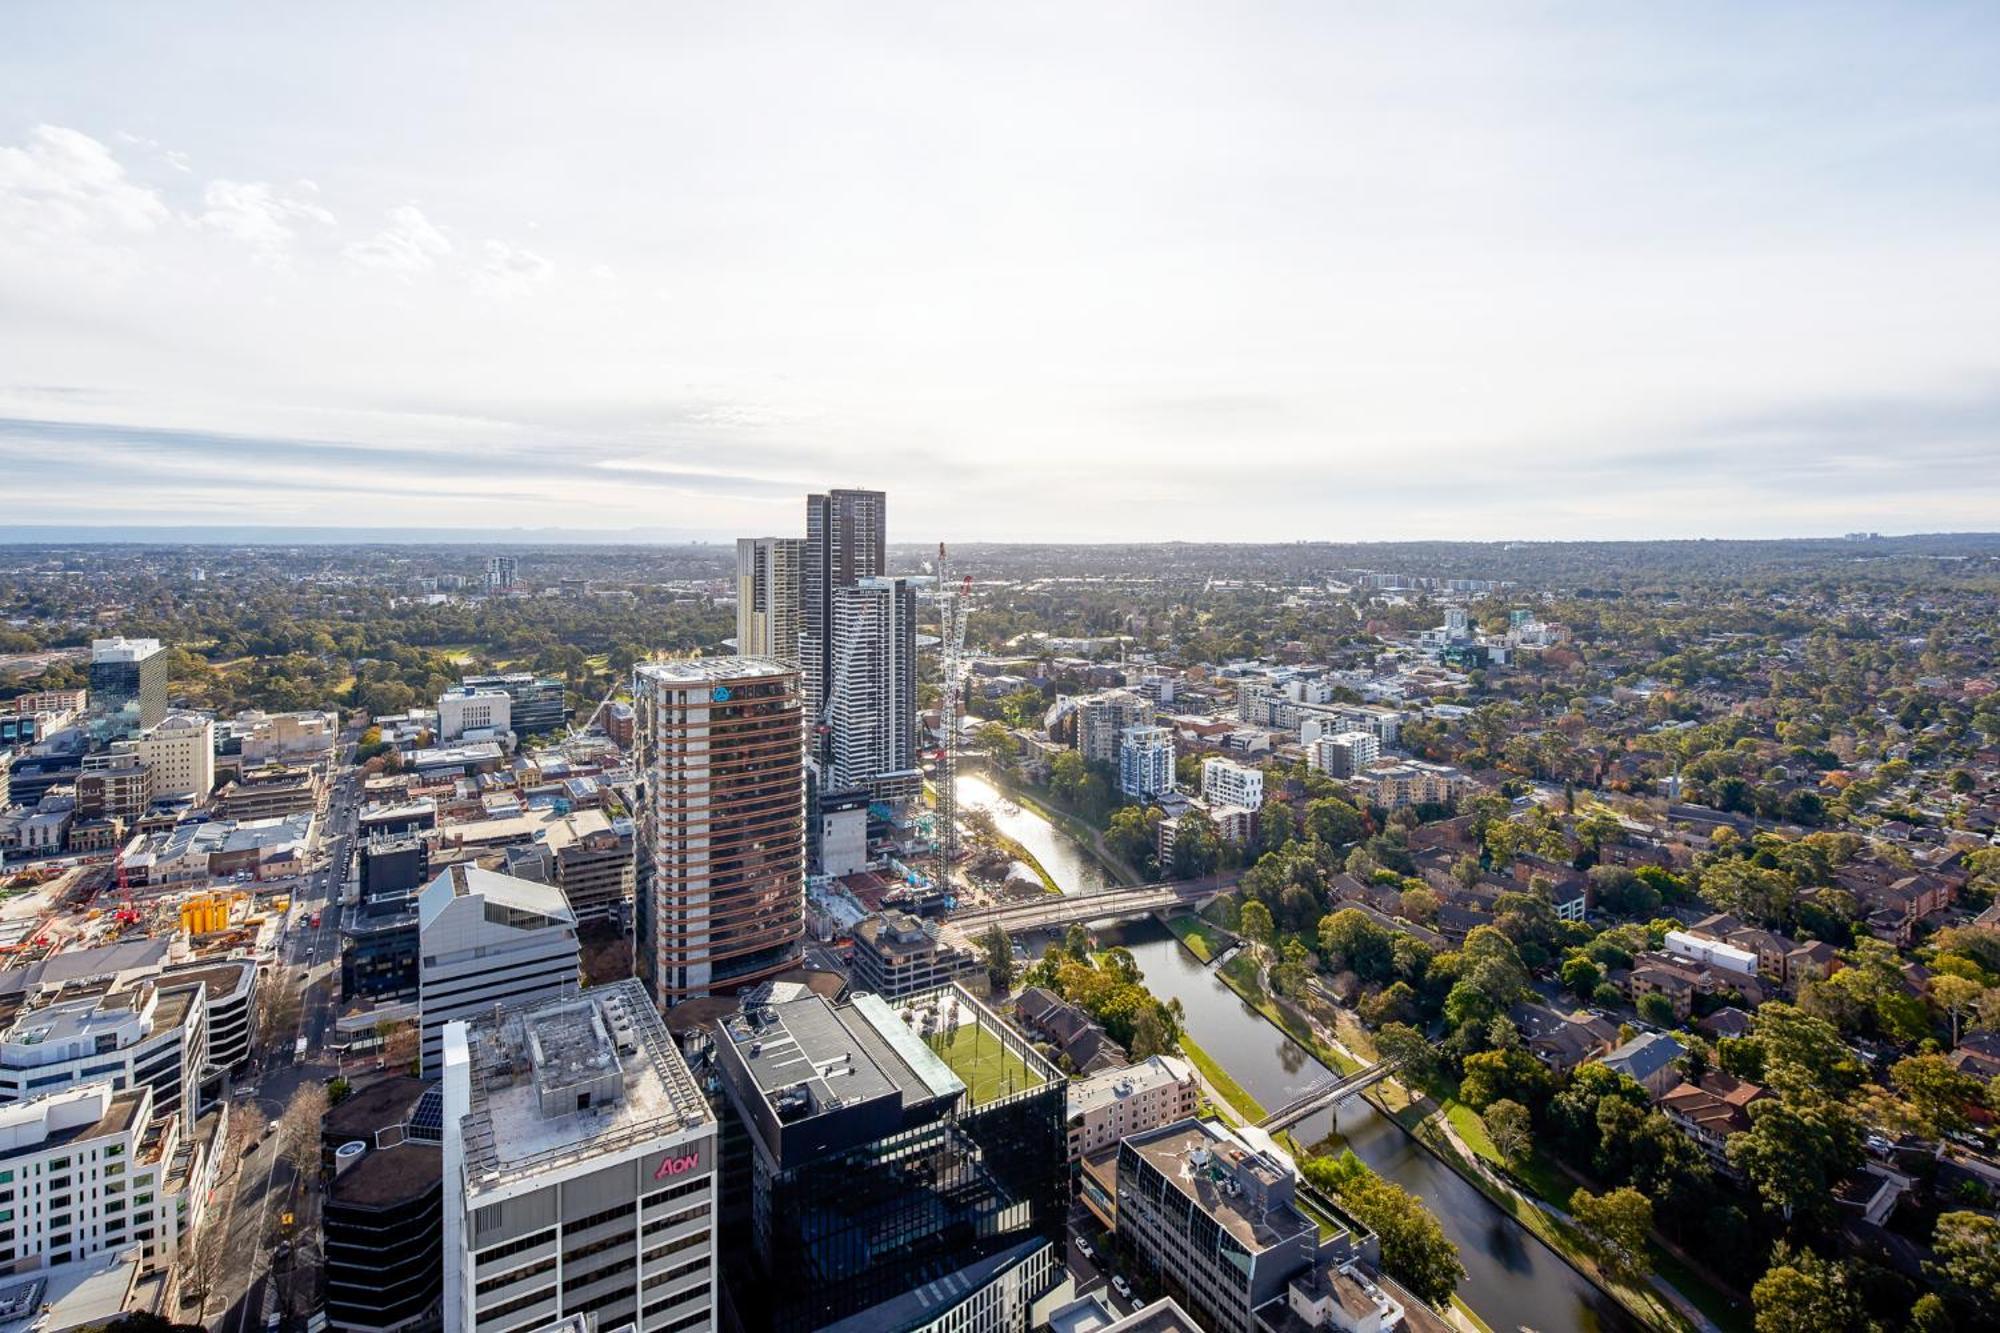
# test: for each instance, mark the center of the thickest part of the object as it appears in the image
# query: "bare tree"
(299, 1128)
(277, 1010)
(201, 1262)
(399, 1047)
(247, 1123)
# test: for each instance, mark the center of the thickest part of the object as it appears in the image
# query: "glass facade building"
(888, 1189)
(128, 688)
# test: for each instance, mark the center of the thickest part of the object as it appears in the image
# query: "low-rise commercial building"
(897, 954)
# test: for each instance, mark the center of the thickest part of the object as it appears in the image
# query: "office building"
(872, 691)
(538, 702)
(1146, 762)
(488, 939)
(303, 737)
(502, 573)
(383, 1218)
(1343, 754)
(722, 824)
(1212, 1215)
(593, 864)
(271, 792)
(180, 753)
(379, 933)
(1115, 1103)
(113, 786)
(846, 540)
(897, 954)
(579, 1170)
(877, 1190)
(1225, 782)
(767, 597)
(474, 713)
(128, 688)
(1102, 721)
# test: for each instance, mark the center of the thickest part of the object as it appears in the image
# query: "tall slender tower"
(767, 597)
(723, 824)
(872, 693)
(846, 540)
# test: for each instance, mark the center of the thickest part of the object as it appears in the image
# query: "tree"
(299, 1128)
(1580, 976)
(1076, 942)
(1656, 1009)
(1149, 1036)
(1936, 1093)
(1133, 834)
(1415, 1250)
(1290, 976)
(999, 952)
(1413, 1053)
(1803, 1293)
(1419, 903)
(1197, 846)
(1955, 995)
(401, 1044)
(1796, 1149)
(1508, 1125)
(1615, 1226)
(1511, 1074)
(1350, 942)
(1257, 922)
(1333, 822)
(1967, 1248)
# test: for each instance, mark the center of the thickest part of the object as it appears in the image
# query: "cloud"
(262, 216)
(510, 271)
(64, 186)
(178, 160)
(408, 245)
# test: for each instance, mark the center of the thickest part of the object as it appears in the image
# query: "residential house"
(1649, 1060)
(1712, 1109)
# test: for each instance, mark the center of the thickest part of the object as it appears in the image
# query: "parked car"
(1083, 1248)
(1122, 1287)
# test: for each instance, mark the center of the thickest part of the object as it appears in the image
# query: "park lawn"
(1204, 941)
(978, 1057)
(1218, 1078)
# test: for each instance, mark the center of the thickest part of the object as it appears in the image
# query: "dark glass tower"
(128, 688)
(877, 1189)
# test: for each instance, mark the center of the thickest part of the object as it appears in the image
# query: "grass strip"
(1218, 1078)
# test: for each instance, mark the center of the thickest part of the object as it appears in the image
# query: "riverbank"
(1453, 1134)
(1080, 831)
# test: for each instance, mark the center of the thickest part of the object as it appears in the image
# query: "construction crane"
(953, 605)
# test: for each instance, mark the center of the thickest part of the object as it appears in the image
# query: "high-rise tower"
(128, 688)
(722, 900)
(767, 597)
(872, 690)
(845, 541)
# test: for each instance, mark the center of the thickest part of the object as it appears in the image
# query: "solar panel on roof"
(427, 1118)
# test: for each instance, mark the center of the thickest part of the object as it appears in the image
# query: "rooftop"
(389, 1175)
(560, 1081)
(1247, 1193)
(1112, 1085)
(703, 670)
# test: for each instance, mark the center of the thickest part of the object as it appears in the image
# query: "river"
(1512, 1280)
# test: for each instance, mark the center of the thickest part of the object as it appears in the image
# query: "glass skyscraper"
(128, 688)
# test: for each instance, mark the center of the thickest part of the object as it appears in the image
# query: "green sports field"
(988, 1068)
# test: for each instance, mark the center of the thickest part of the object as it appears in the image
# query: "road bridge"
(1066, 909)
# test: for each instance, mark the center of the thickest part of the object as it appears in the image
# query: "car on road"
(1083, 1248)
(1122, 1287)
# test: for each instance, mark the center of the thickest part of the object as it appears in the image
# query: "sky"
(1083, 272)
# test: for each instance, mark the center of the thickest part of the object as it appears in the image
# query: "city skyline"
(1301, 274)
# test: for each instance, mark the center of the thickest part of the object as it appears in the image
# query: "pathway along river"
(1512, 1279)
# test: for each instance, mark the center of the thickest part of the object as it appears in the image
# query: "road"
(305, 958)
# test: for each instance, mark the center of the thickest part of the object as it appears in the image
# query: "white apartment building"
(1113, 1103)
(181, 754)
(767, 597)
(580, 1169)
(1224, 782)
(1102, 719)
(502, 572)
(152, 1033)
(466, 712)
(487, 939)
(872, 691)
(1343, 754)
(91, 1169)
(1146, 762)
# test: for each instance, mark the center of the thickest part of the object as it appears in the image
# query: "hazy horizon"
(1054, 273)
